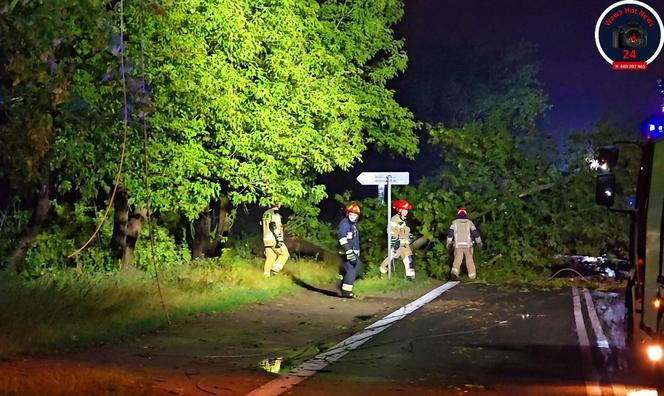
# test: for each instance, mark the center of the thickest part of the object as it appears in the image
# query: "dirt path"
(207, 355)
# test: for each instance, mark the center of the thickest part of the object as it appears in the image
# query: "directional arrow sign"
(380, 178)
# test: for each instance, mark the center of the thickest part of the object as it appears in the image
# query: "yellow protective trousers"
(275, 258)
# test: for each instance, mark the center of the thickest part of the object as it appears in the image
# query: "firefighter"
(463, 232)
(349, 238)
(400, 240)
(276, 252)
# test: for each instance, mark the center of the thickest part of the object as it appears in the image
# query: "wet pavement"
(479, 340)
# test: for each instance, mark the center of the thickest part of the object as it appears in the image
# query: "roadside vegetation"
(63, 310)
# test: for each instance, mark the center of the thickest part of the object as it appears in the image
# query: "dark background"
(580, 83)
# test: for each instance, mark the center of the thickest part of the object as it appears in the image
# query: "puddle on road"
(271, 365)
(293, 358)
(525, 316)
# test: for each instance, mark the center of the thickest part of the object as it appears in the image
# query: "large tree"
(240, 100)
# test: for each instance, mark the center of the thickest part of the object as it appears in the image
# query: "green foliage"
(312, 229)
(10, 221)
(66, 232)
(43, 46)
(526, 208)
(243, 98)
(167, 253)
(264, 97)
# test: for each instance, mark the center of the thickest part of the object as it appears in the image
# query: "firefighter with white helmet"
(463, 233)
(400, 240)
(276, 252)
(349, 238)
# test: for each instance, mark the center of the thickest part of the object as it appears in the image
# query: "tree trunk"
(120, 219)
(223, 222)
(134, 226)
(201, 244)
(419, 243)
(302, 247)
(40, 213)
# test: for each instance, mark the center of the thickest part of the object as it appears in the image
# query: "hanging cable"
(125, 122)
(147, 178)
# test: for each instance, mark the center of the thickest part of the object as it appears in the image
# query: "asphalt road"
(460, 339)
(479, 340)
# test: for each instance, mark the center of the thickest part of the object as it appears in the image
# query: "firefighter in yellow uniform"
(463, 232)
(276, 252)
(400, 240)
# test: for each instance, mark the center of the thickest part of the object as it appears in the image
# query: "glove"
(396, 244)
(279, 244)
(480, 244)
(350, 256)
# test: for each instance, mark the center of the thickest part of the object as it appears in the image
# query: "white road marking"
(594, 320)
(592, 386)
(602, 342)
(312, 366)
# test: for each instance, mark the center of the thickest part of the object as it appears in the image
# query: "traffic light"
(607, 157)
(605, 189)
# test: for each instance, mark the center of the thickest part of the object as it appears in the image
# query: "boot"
(347, 294)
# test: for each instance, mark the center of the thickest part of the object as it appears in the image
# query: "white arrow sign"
(380, 178)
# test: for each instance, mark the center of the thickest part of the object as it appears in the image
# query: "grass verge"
(63, 310)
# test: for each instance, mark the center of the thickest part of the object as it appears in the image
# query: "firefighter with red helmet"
(463, 234)
(400, 240)
(276, 252)
(349, 238)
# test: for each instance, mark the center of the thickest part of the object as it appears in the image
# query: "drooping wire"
(147, 177)
(125, 124)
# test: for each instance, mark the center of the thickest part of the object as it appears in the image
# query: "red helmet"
(402, 204)
(353, 208)
(462, 212)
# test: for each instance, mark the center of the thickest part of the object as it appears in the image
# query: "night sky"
(580, 83)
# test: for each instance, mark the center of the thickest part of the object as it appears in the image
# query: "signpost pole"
(386, 179)
(389, 218)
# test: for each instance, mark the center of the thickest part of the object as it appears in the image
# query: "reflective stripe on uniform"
(343, 240)
(346, 287)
